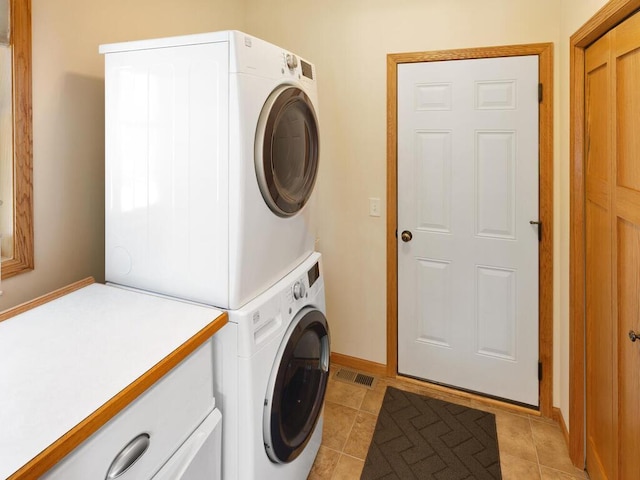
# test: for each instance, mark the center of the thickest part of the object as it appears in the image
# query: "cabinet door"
(167, 413)
(200, 456)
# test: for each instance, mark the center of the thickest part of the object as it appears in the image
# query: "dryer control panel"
(269, 315)
(307, 69)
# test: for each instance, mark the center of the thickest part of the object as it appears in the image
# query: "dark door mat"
(418, 437)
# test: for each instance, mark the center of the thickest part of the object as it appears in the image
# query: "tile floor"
(531, 448)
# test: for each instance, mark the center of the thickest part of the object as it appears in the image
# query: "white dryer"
(271, 366)
(212, 154)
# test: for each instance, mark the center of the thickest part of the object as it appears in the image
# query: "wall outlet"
(374, 207)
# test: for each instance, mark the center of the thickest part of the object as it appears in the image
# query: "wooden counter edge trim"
(74, 437)
(36, 302)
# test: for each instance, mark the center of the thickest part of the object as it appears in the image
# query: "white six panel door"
(467, 190)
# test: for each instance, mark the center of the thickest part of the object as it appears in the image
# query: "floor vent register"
(349, 376)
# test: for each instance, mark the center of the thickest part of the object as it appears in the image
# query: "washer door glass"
(286, 150)
(297, 387)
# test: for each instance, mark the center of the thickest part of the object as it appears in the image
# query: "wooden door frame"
(604, 20)
(545, 55)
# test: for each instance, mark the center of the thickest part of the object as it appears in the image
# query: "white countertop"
(61, 361)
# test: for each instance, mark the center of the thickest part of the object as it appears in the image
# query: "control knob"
(298, 290)
(292, 61)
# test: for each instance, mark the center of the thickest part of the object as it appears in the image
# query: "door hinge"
(539, 371)
(539, 93)
(396, 233)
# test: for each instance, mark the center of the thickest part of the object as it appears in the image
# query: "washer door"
(297, 386)
(286, 150)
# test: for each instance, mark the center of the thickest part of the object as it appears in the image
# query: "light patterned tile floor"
(531, 448)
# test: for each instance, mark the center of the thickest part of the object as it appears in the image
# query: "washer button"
(298, 290)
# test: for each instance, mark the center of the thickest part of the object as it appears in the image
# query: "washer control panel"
(300, 288)
(313, 274)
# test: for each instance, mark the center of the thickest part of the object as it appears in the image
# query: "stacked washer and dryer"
(211, 160)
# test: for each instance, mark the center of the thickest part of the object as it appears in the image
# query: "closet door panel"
(626, 55)
(600, 325)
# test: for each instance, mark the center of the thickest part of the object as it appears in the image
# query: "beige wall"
(349, 42)
(68, 124)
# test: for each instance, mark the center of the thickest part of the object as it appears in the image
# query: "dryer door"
(286, 150)
(297, 386)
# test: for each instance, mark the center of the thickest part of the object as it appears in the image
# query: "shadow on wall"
(77, 148)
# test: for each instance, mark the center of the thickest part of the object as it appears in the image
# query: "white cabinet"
(161, 420)
(199, 458)
(94, 367)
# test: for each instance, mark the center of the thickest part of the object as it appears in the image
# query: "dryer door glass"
(286, 150)
(297, 387)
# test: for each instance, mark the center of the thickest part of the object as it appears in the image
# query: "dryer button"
(292, 61)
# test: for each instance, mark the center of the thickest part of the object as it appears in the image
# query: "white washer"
(271, 366)
(212, 154)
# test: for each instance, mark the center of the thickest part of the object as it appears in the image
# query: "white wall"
(349, 42)
(573, 14)
(68, 123)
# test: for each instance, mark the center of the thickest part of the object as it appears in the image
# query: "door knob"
(634, 336)
(406, 236)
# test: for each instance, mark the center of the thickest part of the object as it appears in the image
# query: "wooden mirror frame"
(22, 259)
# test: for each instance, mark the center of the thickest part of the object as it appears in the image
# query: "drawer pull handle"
(128, 455)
